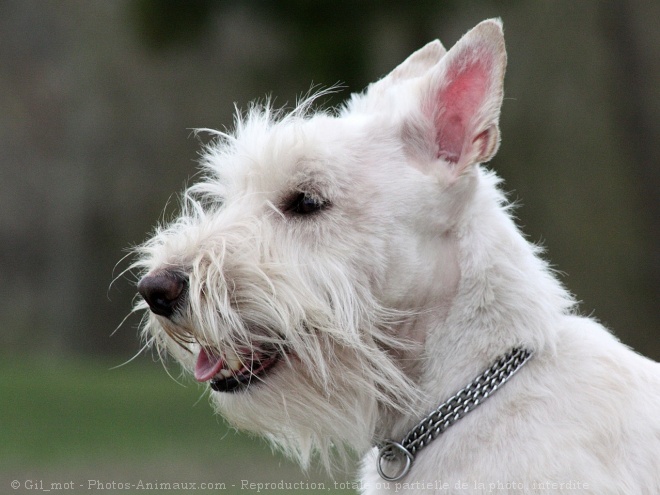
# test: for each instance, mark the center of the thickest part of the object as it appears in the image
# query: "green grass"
(83, 420)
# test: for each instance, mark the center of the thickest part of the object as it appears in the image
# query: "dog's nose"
(163, 291)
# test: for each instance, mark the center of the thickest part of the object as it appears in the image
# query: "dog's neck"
(505, 297)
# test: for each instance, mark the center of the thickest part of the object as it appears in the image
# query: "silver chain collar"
(448, 413)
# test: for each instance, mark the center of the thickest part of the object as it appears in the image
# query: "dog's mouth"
(231, 372)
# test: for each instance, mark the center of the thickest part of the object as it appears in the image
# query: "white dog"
(353, 281)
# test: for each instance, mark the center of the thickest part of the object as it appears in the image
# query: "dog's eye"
(304, 204)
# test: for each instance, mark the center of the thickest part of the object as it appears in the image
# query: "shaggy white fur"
(372, 263)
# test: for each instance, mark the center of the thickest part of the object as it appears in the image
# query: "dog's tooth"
(233, 361)
(225, 373)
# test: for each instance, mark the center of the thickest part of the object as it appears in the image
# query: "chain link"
(452, 410)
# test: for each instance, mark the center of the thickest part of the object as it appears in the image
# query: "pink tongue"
(208, 365)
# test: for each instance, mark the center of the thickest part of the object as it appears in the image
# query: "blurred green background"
(97, 102)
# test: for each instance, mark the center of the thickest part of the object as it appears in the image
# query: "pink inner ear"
(456, 105)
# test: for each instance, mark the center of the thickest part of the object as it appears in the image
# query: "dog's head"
(294, 277)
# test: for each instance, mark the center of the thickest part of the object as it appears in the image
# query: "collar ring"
(394, 452)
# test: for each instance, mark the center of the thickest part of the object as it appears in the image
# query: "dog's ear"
(462, 98)
(416, 64)
(378, 93)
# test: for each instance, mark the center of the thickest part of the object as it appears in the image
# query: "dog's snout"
(163, 291)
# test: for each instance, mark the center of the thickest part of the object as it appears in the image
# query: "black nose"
(163, 291)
